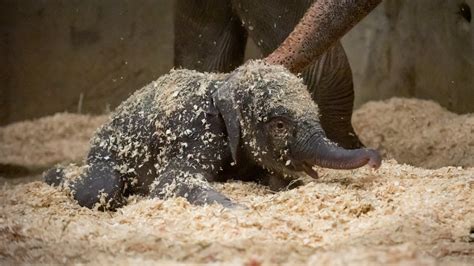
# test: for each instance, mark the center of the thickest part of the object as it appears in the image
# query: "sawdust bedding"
(400, 214)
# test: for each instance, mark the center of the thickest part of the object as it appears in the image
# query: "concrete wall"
(422, 48)
(61, 53)
(87, 55)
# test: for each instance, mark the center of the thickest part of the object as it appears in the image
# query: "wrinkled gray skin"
(187, 128)
(215, 37)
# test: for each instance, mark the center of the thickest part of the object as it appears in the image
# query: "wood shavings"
(357, 216)
(47, 141)
(417, 132)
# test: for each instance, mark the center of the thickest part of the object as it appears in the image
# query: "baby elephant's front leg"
(189, 183)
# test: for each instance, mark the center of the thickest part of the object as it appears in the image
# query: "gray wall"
(57, 51)
(52, 52)
(421, 48)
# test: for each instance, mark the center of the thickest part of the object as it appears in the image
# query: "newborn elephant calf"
(188, 128)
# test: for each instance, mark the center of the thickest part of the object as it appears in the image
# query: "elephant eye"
(279, 126)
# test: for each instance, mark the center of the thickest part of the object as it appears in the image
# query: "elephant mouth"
(305, 167)
(308, 169)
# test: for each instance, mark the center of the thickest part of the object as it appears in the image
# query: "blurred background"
(87, 56)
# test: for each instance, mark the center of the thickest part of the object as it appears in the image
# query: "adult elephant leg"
(269, 22)
(329, 81)
(208, 36)
(329, 78)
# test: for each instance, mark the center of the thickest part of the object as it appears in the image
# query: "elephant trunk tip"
(374, 160)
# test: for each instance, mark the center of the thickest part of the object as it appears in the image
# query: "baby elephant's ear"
(226, 104)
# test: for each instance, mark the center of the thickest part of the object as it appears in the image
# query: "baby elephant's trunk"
(325, 153)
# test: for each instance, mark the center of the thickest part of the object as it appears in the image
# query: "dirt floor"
(399, 214)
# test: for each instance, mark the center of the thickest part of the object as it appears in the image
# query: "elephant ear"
(224, 101)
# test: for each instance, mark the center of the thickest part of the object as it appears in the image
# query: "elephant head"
(270, 116)
(267, 110)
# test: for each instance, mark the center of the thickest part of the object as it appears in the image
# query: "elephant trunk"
(324, 23)
(318, 150)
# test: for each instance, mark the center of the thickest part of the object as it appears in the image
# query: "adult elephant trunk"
(320, 151)
(323, 24)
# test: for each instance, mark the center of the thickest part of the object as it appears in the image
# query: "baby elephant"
(188, 128)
